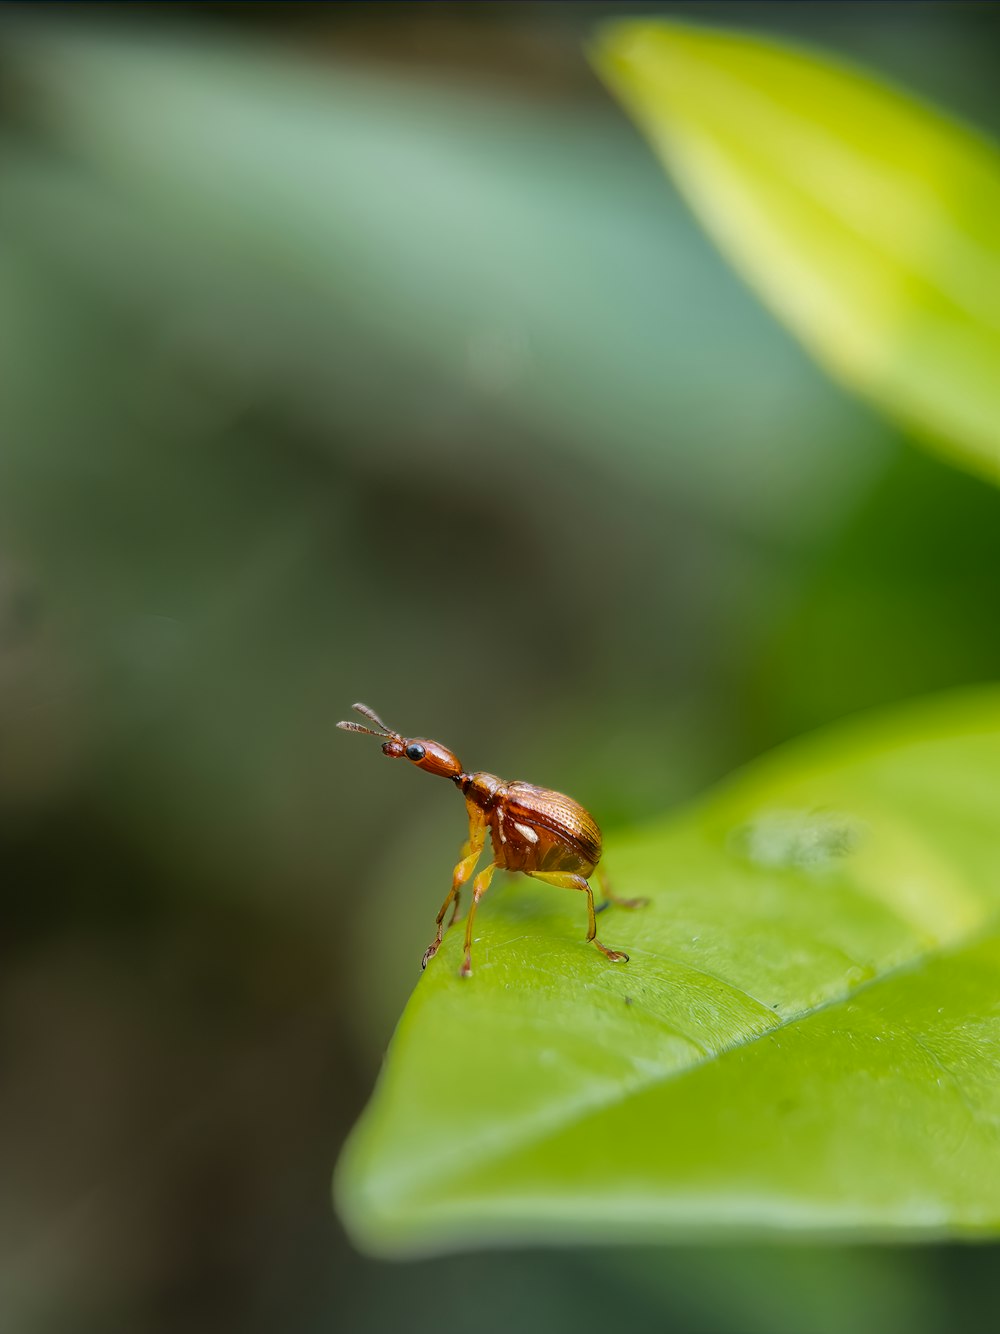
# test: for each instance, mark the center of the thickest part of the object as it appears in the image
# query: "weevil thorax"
(483, 790)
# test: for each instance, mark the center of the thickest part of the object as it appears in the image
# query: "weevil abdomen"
(547, 831)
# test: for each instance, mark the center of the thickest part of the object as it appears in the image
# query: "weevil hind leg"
(610, 897)
(568, 880)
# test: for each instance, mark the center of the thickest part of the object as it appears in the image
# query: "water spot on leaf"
(810, 840)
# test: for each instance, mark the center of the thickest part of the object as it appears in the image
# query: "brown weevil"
(533, 830)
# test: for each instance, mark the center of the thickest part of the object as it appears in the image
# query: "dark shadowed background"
(360, 351)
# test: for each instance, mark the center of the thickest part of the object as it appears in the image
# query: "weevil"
(533, 830)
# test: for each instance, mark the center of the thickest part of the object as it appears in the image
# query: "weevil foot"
(429, 953)
(616, 956)
(622, 903)
(466, 968)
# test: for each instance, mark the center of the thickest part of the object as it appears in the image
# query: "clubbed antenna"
(372, 716)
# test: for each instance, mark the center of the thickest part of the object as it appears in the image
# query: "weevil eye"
(414, 751)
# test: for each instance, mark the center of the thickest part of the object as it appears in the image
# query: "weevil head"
(430, 756)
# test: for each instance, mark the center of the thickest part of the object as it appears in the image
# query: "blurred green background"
(360, 351)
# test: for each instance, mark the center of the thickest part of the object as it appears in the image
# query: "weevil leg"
(479, 887)
(567, 880)
(471, 852)
(611, 897)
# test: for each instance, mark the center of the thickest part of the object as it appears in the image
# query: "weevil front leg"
(611, 898)
(471, 852)
(567, 880)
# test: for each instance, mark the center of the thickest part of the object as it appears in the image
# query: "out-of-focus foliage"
(806, 1037)
(868, 220)
(294, 223)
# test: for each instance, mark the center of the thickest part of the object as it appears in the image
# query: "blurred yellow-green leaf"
(806, 1038)
(868, 221)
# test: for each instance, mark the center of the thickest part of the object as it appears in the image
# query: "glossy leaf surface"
(807, 1036)
(867, 220)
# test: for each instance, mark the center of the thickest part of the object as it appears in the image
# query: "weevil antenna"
(372, 717)
(356, 727)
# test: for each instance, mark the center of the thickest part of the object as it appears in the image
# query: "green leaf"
(867, 220)
(316, 231)
(807, 1035)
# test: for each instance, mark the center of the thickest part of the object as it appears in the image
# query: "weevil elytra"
(533, 830)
